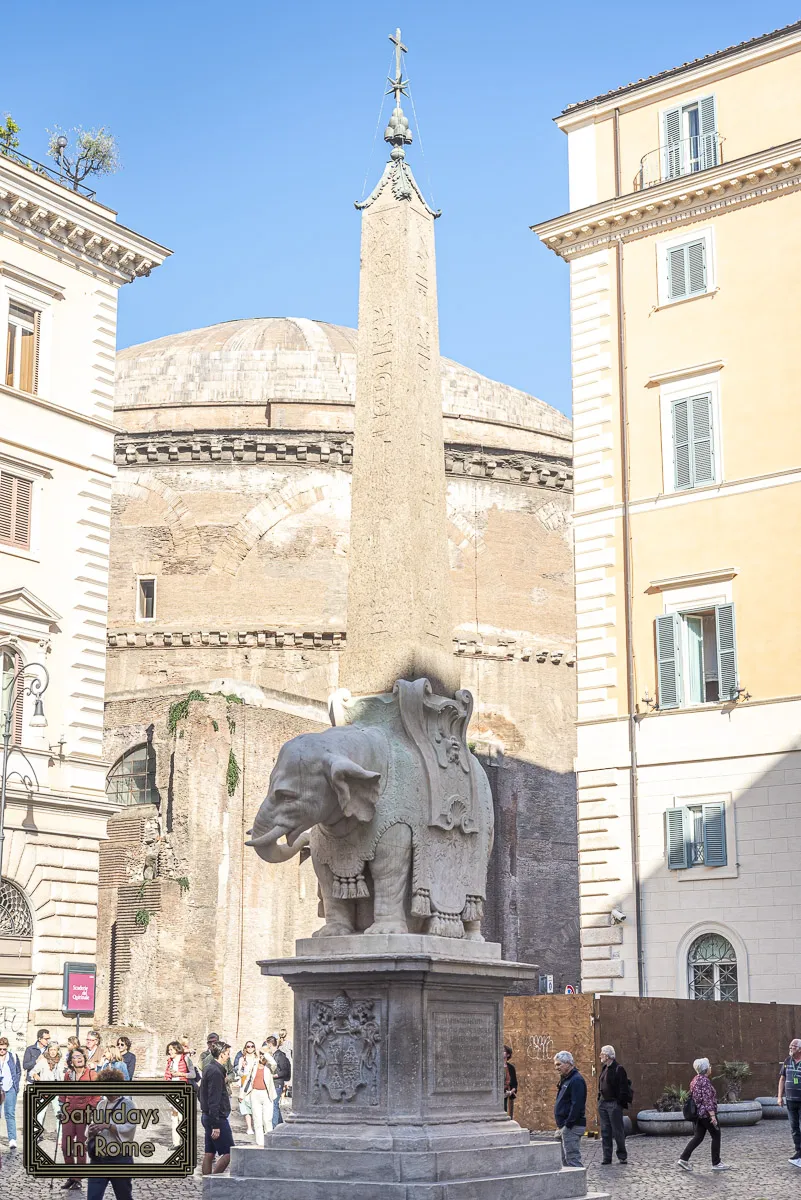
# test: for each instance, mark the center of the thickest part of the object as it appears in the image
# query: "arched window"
(132, 779)
(15, 915)
(712, 966)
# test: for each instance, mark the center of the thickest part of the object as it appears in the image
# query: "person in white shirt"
(50, 1069)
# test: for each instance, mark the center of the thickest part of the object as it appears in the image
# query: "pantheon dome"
(229, 571)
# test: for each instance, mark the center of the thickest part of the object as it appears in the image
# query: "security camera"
(618, 917)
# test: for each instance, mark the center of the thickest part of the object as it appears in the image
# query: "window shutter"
(727, 651)
(673, 155)
(682, 472)
(6, 506)
(676, 838)
(702, 458)
(15, 510)
(16, 721)
(707, 128)
(668, 658)
(677, 274)
(696, 267)
(37, 326)
(714, 835)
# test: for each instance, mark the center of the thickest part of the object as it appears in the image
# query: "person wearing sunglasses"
(124, 1047)
(246, 1064)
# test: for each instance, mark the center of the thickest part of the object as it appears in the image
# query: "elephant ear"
(356, 788)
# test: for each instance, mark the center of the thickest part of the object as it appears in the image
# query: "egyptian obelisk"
(399, 608)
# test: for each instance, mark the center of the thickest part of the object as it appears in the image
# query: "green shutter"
(702, 458)
(682, 469)
(696, 267)
(727, 651)
(668, 660)
(676, 839)
(707, 129)
(672, 144)
(677, 273)
(714, 835)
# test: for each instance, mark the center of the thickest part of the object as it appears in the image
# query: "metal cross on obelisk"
(399, 603)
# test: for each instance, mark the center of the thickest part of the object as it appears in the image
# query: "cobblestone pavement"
(759, 1154)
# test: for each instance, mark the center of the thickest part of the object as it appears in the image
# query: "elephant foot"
(388, 927)
(334, 929)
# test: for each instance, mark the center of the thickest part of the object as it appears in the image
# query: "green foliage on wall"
(180, 709)
(232, 774)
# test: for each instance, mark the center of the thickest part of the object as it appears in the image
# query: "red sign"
(79, 988)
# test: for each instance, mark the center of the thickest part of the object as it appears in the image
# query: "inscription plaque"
(464, 1057)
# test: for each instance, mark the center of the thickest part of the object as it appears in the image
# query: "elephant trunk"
(266, 845)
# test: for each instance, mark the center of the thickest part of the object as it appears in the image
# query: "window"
(690, 138)
(696, 657)
(10, 663)
(22, 348)
(146, 600)
(695, 836)
(15, 914)
(712, 968)
(15, 510)
(693, 445)
(132, 779)
(686, 270)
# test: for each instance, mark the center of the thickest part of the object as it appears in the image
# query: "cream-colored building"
(684, 245)
(63, 257)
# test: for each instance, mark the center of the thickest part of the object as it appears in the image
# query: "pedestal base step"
(567, 1184)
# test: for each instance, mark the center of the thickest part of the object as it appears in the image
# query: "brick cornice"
(331, 449)
(748, 180)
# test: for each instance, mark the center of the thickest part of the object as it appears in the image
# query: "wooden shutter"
(16, 724)
(668, 659)
(727, 651)
(696, 267)
(714, 835)
(10, 341)
(673, 149)
(37, 327)
(677, 273)
(702, 456)
(682, 469)
(15, 510)
(676, 839)
(708, 133)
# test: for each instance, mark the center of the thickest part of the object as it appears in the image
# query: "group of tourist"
(615, 1094)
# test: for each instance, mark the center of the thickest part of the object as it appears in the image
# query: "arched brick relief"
(185, 534)
(295, 496)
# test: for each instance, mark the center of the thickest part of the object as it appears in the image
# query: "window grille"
(15, 915)
(712, 965)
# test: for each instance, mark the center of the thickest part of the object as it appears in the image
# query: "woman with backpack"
(179, 1066)
(702, 1109)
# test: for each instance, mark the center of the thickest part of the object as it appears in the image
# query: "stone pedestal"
(398, 1081)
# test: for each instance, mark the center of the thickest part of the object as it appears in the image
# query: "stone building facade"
(63, 259)
(229, 580)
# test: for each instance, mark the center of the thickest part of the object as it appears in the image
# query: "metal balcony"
(685, 157)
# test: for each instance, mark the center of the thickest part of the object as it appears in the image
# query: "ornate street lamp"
(18, 688)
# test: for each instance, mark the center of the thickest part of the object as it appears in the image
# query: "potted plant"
(666, 1116)
(732, 1109)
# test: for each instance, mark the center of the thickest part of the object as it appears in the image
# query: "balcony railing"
(691, 154)
(48, 172)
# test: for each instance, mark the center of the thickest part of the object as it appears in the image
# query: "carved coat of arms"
(344, 1036)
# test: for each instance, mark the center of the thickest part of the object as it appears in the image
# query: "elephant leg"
(390, 871)
(340, 915)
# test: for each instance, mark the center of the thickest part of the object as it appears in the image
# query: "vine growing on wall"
(142, 918)
(180, 709)
(232, 774)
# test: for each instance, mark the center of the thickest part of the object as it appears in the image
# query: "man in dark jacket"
(280, 1079)
(33, 1053)
(570, 1110)
(215, 1109)
(614, 1094)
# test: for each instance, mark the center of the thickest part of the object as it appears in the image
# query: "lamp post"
(35, 685)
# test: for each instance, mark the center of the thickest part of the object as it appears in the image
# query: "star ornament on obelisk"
(399, 603)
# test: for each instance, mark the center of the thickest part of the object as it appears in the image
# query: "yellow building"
(684, 245)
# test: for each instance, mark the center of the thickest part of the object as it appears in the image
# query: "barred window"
(712, 963)
(132, 779)
(15, 914)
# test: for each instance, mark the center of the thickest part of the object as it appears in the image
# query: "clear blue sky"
(246, 129)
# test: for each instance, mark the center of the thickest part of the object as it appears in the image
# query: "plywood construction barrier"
(656, 1040)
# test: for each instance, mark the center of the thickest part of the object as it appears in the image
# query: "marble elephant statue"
(358, 797)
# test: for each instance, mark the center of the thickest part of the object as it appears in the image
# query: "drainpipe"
(627, 587)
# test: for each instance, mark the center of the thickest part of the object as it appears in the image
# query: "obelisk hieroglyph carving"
(399, 607)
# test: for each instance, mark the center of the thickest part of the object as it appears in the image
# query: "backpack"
(628, 1094)
(690, 1110)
